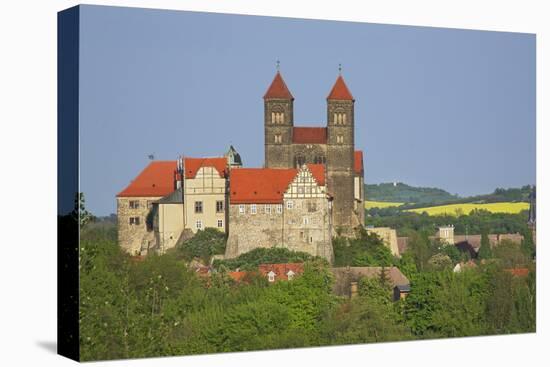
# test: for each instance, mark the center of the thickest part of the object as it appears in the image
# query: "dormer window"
(290, 275)
(271, 276)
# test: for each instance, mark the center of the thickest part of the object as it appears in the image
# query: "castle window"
(220, 223)
(339, 118)
(277, 117)
(300, 190)
(306, 221)
(241, 209)
(340, 139)
(219, 206)
(289, 204)
(267, 209)
(253, 209)
(278, 138)
(198, 224)
(134, 221)
(311, 240)
(311, 207)
(198, 207)
(279, 208)
(134, 204)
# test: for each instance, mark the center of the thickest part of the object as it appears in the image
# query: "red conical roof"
(340, 90)
(278, 89)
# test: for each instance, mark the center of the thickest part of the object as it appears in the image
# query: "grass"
(380, 204)
(455, 209)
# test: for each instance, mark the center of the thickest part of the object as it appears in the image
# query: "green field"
(454, 209)
(380, 204)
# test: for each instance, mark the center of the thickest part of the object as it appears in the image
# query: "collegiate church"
(309, 190)
(288, 146)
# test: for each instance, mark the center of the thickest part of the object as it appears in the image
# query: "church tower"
(340, 153)
(278, 124)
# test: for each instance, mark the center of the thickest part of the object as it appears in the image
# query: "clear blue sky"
(446, 108)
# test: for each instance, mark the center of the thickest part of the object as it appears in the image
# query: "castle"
(310, 188)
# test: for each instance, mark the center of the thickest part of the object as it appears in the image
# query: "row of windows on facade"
(299, 160)
(198, 224)
(278, 139)
(268, 208)
(199, 207)
(135, 204)
(279, 118)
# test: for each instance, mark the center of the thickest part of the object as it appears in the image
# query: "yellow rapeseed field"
(454, 209)
(380, 204)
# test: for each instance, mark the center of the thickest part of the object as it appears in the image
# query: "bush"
(204, 244)
(275, 255)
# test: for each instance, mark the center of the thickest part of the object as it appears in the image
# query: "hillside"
(417, 197)
(403, 193)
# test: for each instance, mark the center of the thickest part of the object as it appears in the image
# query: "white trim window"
(289, 204)
(241, 209)
(279, 208)
(267, 208)
(306, 221)
(198, 224)
(253, 209)
(220, 223)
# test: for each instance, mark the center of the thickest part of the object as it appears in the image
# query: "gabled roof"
(192, 165)
(278, 89)
(266, 185)
(344, 275)
(157, 179)
(309, 135)
(340, 90)
(358, 162)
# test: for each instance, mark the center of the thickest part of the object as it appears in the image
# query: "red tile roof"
(157, 179)
(518, 272)
(281, 270)
(309, 135)
(340, 90)
(266, 185)
(192, 165)
(358, 162)
(278, 89)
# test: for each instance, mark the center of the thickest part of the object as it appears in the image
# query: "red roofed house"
(272, 207)
(277, 272)
(290, 146)
(152, 213)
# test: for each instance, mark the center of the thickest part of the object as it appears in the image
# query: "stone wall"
(133, 238)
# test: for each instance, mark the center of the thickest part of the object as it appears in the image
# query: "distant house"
(276, 272)
(465, 243)
(347, 278)
(271, 272)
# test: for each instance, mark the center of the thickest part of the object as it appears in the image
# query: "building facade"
(290, 146)
(277, 207)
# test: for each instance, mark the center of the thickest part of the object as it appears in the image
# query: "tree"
(79, 213)
(440, 262)
(485, 247)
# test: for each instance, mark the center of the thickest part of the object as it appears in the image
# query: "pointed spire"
(278, 88)
(340, 90)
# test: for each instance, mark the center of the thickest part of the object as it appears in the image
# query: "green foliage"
(446, 304)
(485, 247)
(440, 262)
(367, 250)
(275, 255)
(510, 254)
(403, 193)
(203, 245)
(473, 223)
